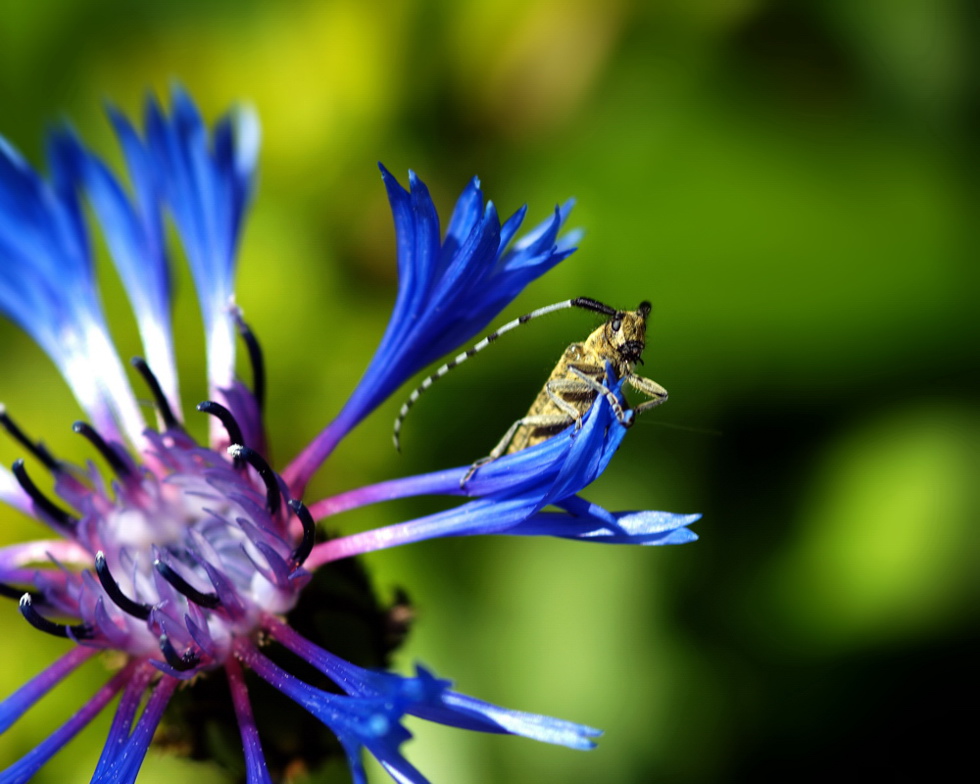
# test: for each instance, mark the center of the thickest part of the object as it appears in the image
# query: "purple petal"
(17, 703)
(518, 486)
(31, 763)
(125, 765)
(256, 771)
(122, 722)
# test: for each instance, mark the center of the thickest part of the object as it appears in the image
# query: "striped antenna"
(585, 303)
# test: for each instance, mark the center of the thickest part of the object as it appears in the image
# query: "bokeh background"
(788, 182)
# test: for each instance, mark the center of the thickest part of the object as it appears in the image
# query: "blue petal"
(516, 487)
(460, 710)
(133, 231)
(47, 285)
(469, 208)
(22, 770)
(36, 255)
(207, 185)
(256, 770)
(399, 768)
(589, 522)
(123, 766)
(430, 698)
(447, 294)
(513, 488)
(122, 722)
(14, 706)
(371, 723)
(435, 702)
(448, 300)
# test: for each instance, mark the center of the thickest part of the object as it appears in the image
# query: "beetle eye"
(616, 324)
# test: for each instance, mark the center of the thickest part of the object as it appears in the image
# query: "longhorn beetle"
(575, 382)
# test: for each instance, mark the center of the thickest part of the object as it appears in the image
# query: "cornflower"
(189, 563)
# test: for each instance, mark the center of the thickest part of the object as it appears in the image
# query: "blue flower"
(448, 291)
(194, 556)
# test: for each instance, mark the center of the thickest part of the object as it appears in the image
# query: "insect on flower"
(195, 564)
(608, 354)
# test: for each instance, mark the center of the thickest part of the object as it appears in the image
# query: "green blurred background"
(789, 183)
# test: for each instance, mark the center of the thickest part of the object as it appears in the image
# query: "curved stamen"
(188, 661)
(10, 592)
(111, 456)
(159, 399)
(258, 363)
(81, 631)
(36, 448)
(208, 600)
(123, 602)
(302, 552)
(273, 496)
(227, 419)
(44, 503)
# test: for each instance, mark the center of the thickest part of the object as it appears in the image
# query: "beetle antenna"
(585, 303)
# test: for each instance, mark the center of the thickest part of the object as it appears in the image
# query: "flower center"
(191, 547)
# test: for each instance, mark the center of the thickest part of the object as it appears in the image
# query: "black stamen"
(302, 552)
(159, 399)
(36, 448)
(123, 602)
(208, 600)
(227, 419)
(258, 363)
(273, 496)
(47, 506)
(181, 663)
(111, 456)
(81, 631)
(10, 592)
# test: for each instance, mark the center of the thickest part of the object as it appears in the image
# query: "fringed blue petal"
(555, 468)
(511, 226)
(430, 698)
(372, 723)
(447, 293)
(589, 522)
(513, 488)
(47, 285)
(468, 210)
(465, 712)
(207, 184)
(399, 768)
(460, 276)
(133, 231)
